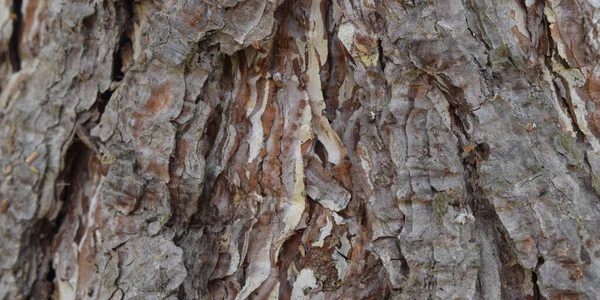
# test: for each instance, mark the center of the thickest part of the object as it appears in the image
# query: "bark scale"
(310, 149)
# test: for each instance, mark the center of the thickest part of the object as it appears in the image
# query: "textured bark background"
(299, 149)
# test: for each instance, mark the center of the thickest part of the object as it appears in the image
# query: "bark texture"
(299, 149)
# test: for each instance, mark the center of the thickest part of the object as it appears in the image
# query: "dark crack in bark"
(487, 221)
(15, 38)
(534, 279)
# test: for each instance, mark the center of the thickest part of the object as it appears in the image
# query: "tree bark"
(299, 149)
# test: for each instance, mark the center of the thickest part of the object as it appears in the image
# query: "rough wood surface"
(299, 149)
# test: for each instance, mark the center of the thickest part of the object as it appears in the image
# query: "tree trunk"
(299, 149)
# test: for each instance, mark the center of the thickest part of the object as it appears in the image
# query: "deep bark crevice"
(563, 87)
(75, 159)
(44, 285)
(123, 52)
(552, 53)
(381, 55)
(534, 279)
(321, 152)
(117, 67)
(330, 64)
(50, 277)
(486, 217)
(211, 129)
(14, 42)
(48, 230)
(103, 101)
(566, 101)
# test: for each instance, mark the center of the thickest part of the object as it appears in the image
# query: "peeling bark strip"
(299, 149)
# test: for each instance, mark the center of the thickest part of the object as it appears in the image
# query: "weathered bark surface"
(303, 149)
